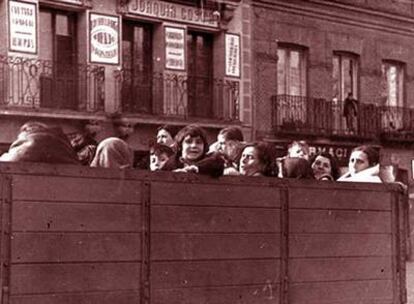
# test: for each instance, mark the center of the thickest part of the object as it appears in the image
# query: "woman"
(113, 152)
(166, 134)
(191, 156)
(324, 167)
(257, 159)
(363, 166)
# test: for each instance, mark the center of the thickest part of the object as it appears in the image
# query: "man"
(351, 113)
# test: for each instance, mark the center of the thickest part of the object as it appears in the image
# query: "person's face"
(192, 148)
(124, 129)
(321, 166)
(165, 138)
(157, 161)
(298, 151)
(227, 147)
(249, 162)
(358, 162)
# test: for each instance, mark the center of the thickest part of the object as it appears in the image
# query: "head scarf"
(113, 153)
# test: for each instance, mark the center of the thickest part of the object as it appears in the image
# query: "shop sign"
(173, 12)
(232, 55)
(23, 27)
(341, 153)
(104, 38)
(174, 48)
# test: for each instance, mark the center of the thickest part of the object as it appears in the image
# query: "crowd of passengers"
(187, 150)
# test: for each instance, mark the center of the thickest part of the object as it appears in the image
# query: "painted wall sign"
(173, 12)
(23, 27)
(174, 48)
(104, 38)
(232, 55)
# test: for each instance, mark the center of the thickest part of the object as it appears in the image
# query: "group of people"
(188, 150)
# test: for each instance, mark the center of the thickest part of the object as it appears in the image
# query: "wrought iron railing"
(177, 95)
(44, 84)
(319, 117)
(397, 123)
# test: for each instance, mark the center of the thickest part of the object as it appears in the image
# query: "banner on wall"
(104, 38)
(22, 27)
(174, 48)
(232, 55)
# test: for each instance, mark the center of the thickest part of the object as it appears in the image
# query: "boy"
(159, 155)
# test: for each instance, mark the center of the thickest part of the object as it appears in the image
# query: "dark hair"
(232, 133)
(266, 154)
(296, 167)
(335, 173)
(158, 149)
(192, 131)
(173, 130)
(371, 152)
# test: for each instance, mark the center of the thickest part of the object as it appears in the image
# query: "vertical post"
(5, 218)
(398, 249)
(145, 243)
(284, 250)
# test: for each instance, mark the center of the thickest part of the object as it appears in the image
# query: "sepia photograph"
(206, 151)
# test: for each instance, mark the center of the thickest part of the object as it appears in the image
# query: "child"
(159, 155)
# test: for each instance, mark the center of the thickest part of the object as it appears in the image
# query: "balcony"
(171, 95)
(42, 84)
(397, 124)
(298, 115)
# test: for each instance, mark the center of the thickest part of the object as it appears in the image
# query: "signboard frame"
(227, 58)
(184, 50)
(36, 28)
(118, 46)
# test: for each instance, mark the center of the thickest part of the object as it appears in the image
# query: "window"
(345, 75)
(137, 67)
(291, 71)
(392, 84)
(392, 94)
(58, 51)
(200, 73)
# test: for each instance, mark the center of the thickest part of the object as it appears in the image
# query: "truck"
(73, 234)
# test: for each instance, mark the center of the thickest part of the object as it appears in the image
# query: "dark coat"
(46, 146)
(212, 165)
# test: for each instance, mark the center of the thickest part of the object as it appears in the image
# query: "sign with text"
(175, 48)
(23, 27)
(232, 55)
(104, 38)
(173, 12)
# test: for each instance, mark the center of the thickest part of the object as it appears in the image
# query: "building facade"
(309, 56)
(68, 62)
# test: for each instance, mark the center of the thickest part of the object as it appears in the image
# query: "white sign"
(104, 38)
(174, 48)
(23, 27)
(232, 55)
(173, 12)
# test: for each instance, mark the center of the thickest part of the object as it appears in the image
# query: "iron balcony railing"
(319, 117)
(177, 95)
(44, 84)
(397, 123)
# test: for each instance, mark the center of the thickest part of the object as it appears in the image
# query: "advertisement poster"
(232, 55)
(174, 48)
(23, 27)
(104, 39)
